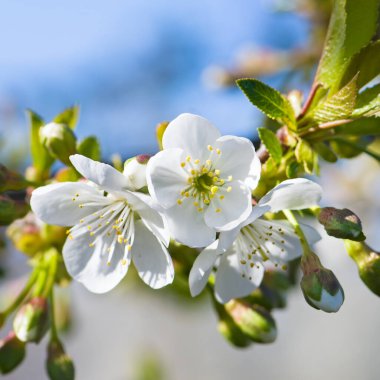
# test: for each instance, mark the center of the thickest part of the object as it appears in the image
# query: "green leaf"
(352, 26)
(338, 106)
(41, 158)
(366, 64)
(270, 140)
(305, 156)
(69, 117)
(292, 169)
(269, 101)
(90, 148)
(325, 152)
(353, 147)
(368, 102)
(362, 127)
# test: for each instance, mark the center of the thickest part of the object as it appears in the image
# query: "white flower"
(241, 252)
(112, 227)
(202, 180)
(135, 170)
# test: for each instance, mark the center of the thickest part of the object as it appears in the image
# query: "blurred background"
(131, 65)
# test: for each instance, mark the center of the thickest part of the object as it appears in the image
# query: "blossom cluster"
(198, 191)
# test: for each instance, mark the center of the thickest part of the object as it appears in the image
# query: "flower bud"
(232, 333)
(11, 210)
(319, 285)
(10, 180)
(342, 224)
(59, 140)
(368, 262)
(12, 353)
(253, 320)
(25, 234)
(59, 365)
(32, 320)
(135, 170)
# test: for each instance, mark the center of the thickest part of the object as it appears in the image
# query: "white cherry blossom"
(203, 181)
(239, 254)
(112, 226)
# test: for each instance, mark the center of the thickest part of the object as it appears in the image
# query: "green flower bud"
(342, 224)
(253, 320)
(12, 353)
(319, 285)
(25, 234)
(135, 170)
(11, 210)
(32, 320)
(10, 180)
(59, 140)
(368, 262)
(59, 365)
(232, 333)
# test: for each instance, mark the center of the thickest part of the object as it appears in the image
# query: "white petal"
(192, 133)
(89, 265)
(226, 238)
(187, 225)
(104, 175)
(54, 203)
(279, 240)
(151, 259)
(229, 282)
(202, 267)
(165, 176)
(143, 205)
(254, 173)
(236, 157)
(292, 194)
(311, 234)
(227, 213)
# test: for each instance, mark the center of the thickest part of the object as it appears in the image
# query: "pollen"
(120, 239)
(229, 179)
(188, 158)
(196, 162)
(218, 210)
(123, 262)
(221, 197)
(179, 201)
(200, 209)
(229, 189)
(217, 171)
(129, 247)
(183, 164)
(210, 148)
(218, 151)
(214, 189)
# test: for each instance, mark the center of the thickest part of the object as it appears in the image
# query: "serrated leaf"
(90, 148)
(338, 106)
(269, 101)
(69, 117)
(362, 127)
(368, 102)
(352, 26)
(41, 158)
(366, 64)
(305, 156)
(273, 146)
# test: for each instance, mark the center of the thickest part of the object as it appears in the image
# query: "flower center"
(204, 181)
(112, 224)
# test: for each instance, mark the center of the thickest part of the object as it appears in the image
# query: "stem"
(53, 263)
(324, 126)
(293, 221)
(309, 100)
(53, 326)
(22, 295)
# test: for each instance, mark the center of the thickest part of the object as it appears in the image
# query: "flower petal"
(226, 238)
(90, 265)
(152, 260)
(292, 194)
(192, 133)
(166, 177)
(59, 203)
(187, 225)
(279, 240)
(144, 206)
(107, 177)
(236, 157)
(229, 282)
(202, 267)
(254, 173)
(227, 213)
